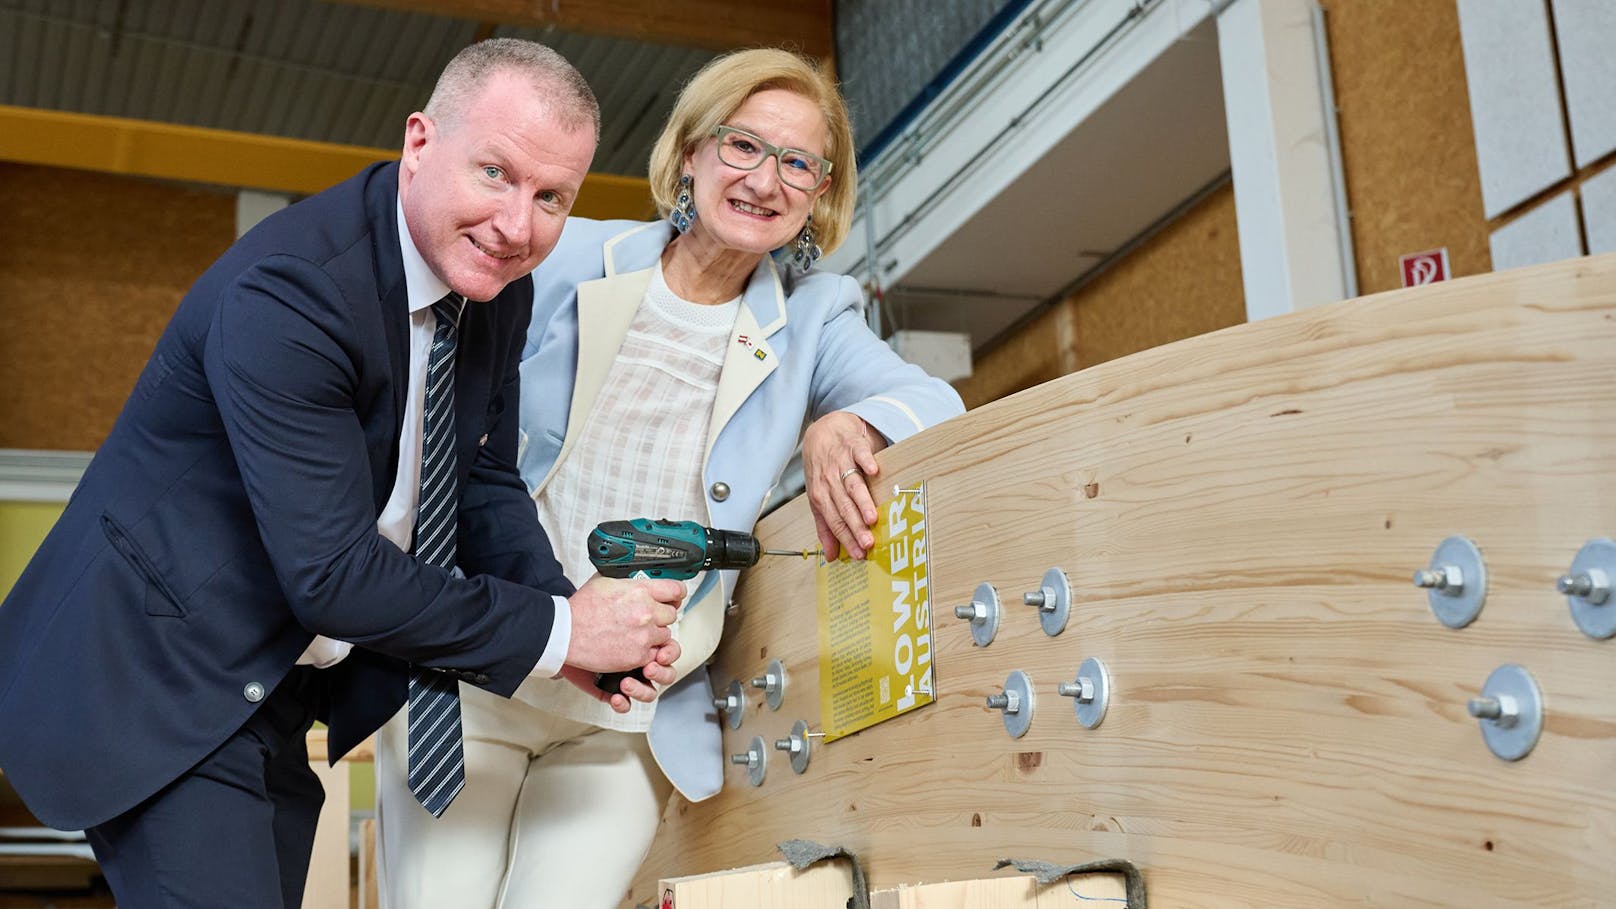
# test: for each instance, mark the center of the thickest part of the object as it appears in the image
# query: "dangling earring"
(807, 252)
(684, 208)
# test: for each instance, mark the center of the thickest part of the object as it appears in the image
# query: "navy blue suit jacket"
(231, 515)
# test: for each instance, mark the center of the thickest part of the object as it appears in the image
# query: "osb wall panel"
(1239, 515)
(91, 267)
(1407, 146)
(1182, 282)
(1031, 356)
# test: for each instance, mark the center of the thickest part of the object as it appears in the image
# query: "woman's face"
(752, 211)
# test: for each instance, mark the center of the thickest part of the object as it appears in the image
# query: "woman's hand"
(838, 457)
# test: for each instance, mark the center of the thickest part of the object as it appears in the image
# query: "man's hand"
(620, 625)
(840, 497)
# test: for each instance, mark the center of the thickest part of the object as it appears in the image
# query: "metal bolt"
(724, 703)
(1501, 710)
(1008, 701)
(748, 758)
(1043, 598)
(768, 681)
(1448, 578)
(1592, 585)
(1082, 689)
(790, 743)
(973, 612)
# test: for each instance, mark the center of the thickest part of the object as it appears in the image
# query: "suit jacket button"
(254, 692)
(482, 678)
(719, 491)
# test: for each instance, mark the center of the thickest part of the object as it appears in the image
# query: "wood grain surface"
(1022, 892)
(772, 885)
(1240, 514)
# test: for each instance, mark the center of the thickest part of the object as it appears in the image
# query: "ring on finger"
(847, 473)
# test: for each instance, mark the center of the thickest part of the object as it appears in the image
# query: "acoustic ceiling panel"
(1514, 100)
(1586, 33)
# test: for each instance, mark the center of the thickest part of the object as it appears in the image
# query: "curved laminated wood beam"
(1239, 515)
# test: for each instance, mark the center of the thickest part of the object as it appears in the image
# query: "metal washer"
(1459, 610)
(1053, 620)
(756, 771)
(799, 758)
(1597, 620)
(1089, 715)
(1019, 722)
(737, 696)
(983, 632)
(778, 694)
(1514, 742)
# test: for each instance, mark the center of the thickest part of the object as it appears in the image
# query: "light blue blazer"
(800, 349)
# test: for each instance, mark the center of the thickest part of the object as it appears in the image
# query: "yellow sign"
(875, 625)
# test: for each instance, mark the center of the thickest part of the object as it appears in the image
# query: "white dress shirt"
(397, 520)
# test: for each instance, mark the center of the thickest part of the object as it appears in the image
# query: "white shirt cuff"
(555, 652)
(323, 652)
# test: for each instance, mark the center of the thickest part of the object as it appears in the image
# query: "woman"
(669, 372)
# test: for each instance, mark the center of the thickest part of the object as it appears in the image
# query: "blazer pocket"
(160, 597)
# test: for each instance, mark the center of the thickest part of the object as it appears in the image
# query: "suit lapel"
(382, 202)
(750, 359)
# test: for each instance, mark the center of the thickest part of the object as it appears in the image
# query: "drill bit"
(799, 553)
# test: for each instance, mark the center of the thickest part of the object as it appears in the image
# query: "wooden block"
(369, 894)
(989, 893)
(327, 886)
(772, 886)
(1019, 892)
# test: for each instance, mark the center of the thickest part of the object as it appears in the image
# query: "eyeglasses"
(744, 151)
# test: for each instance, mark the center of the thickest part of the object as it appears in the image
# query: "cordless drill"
(676, 550)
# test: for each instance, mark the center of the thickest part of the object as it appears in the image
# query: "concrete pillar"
(1295, 245)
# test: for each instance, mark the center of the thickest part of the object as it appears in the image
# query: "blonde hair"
(722, 86)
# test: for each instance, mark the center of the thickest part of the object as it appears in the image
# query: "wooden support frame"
(804, 25)
(239, 160)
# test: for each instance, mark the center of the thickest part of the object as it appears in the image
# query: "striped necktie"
(437, 761)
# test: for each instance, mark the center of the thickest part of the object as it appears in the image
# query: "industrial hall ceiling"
(350, 73)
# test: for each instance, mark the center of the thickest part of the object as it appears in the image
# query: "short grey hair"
(570, 98)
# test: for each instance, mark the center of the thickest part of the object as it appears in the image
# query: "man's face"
(487, 193)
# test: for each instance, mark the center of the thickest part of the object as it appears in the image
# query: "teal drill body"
(675, 550)
(678, 550)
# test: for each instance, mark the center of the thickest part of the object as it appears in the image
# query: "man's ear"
(418, 131)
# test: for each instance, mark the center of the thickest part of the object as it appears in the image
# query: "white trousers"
(555, 813)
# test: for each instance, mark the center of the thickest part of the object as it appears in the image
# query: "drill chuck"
(731, 549)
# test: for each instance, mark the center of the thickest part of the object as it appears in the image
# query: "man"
(323, 443)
